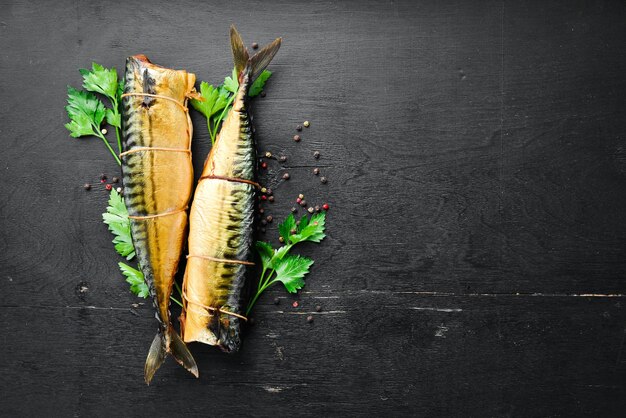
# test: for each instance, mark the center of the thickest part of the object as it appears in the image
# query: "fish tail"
(255, 64)
(156, 356)
(181, 353)
(163, 344)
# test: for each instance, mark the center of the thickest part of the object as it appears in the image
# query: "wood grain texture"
(476, 252)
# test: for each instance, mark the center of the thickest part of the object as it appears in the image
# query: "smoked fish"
(221, 219)
(157, 177)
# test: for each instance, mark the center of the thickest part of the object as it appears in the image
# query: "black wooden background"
(476, 247)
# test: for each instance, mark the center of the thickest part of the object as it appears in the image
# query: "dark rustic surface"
(477, 240)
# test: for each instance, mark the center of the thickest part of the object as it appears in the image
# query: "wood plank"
(366, 353)
(475, 256)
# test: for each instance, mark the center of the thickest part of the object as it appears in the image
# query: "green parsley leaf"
(231, 83)
(313, 230)
(257, 87)
(80, 125)
(100, 80)
(215, 100)
(291, 271)
(278, 265)
(114, 118)
(116, 217)
(266, 252)
(207, 92)
(286, 226)
(279, 254)
(83, 107)
(135, 278)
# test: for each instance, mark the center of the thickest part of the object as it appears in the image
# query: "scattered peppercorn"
(286, 176)
(318, 308)
(325, 206)
(255, 45)
(296, 138)
(306, 124)
(269, 192)
(119, 190)
(301, 196)
(262, 93)
(316, 155)
(263, 164)
(324, 180)
(317, 208)
(263, 197)
(108, 187)
(271, 199)
(115, 180)
(104, 131)
(293, 231)
(297, 222)
(299, 200)
(294, 209)
(309, 319)
(103, 176)
(303, 202)
(269, 218)
(261, 211)
(268, 154)
(263, 190)
(299, 128)
(281, 239)
(87, 186)
(311, 209)
(295, 304)
(276, 301)
(316, 171)
(282, 159)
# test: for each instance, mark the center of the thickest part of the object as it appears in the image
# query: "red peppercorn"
(325, 206)
(263, 197)
(295, 304)
(298, 200)
(103, 180)
(108, 187)
(264, 165)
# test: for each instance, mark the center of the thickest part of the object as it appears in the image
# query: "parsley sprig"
(87, 112)
(278, 264)
(215, 102)
(116, 217)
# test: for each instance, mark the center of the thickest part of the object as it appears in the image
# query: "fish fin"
(181, 353)
(255, 64)
(156, 357)
(159, 349)
(262, 59)
(240, 53)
